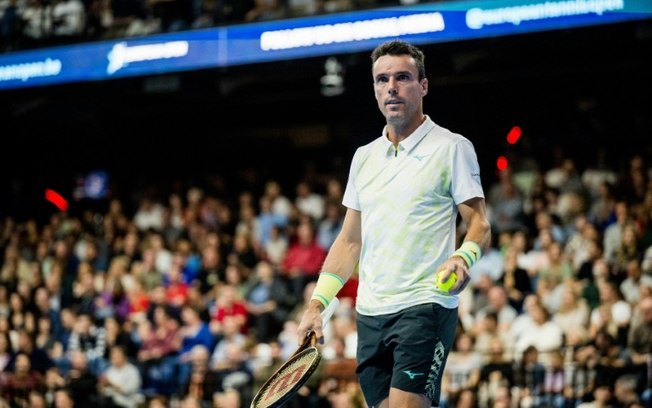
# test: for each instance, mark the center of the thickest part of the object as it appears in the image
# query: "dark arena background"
(580, 92)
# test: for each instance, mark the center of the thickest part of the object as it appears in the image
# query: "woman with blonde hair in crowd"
(573, 315)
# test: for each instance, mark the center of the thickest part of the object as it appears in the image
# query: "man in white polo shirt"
(403, 195)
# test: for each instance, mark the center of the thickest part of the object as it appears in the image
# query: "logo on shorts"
(432, 386)
(411, 374)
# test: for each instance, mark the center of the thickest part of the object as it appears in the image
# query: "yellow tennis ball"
(446, 285)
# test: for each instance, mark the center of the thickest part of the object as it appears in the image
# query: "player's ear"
(424, 87)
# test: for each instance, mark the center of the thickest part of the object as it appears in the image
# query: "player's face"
(398, 90)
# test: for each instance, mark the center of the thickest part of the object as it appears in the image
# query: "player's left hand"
(459, 267)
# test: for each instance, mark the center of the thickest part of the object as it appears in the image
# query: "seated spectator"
(543, 334)
(235, 373)
(608, 358)
(229, 304)
(118, 333)
(112, 301)
(211, 271)
(79, 380)
(529, 376)
(160, 338)
(267, 219)
(497, 303)
(121, 381)
(268, 303)
(554, 383)
(18, 383)
(230, 334)
(304, 258)
(630, 286)
(488, 334)
(506, 202)
(572, 316)
(39, 358)
(44, 337)
(238, 276)
(156, 358)
(176, 289)
(243, 252)
(463, 367)
(550, 277)
(276, 246)
(613, 315)
(625, 391)
(281, 204)
(147, 272)
(330, 225)
(496, 372)
(309, 202)
(194, 331)
(90, 338)
(138, 300)
(68, 317)
(203, 381)
(514, 279)
(84, 293)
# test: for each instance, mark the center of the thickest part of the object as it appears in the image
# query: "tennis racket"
(290, 377)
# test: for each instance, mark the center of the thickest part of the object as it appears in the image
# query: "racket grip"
(327, 313)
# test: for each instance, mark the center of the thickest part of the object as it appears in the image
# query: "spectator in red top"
(228, 303)
(138, 301)
(176, 290)
(304, 257)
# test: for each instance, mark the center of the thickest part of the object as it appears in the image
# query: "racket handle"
(327, 313)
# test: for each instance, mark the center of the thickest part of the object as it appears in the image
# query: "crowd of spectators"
(26, 24)
(190, 298)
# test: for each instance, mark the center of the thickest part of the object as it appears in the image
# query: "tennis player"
(404, 193)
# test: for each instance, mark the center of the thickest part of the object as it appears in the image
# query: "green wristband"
(328, 284)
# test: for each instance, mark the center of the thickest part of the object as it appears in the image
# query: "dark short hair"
(400, 47)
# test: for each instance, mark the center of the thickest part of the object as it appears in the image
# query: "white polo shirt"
(408, 200)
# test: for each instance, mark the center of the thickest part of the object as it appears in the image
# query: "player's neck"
(397, 132)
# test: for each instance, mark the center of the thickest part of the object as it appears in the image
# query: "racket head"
(288, 379)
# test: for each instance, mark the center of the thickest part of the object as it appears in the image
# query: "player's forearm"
(337, 269)
(479, 231)
(342, 258)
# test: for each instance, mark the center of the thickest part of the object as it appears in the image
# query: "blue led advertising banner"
(306, 37)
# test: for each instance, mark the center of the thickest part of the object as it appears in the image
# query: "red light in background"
(514, 134)
(56, 199)
(502, 163)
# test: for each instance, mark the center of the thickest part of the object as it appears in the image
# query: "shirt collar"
(411, 141)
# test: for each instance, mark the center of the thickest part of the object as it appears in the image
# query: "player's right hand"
(311, 322)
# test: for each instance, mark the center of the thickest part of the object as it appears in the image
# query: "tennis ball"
(445, 286)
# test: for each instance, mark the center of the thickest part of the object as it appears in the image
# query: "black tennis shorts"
(405, 350)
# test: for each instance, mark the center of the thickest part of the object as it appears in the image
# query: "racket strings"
(289, 377)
